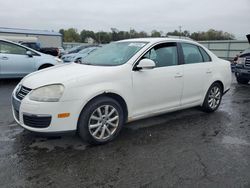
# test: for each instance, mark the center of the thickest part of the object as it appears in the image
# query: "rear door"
(13, 60)
(197, 72)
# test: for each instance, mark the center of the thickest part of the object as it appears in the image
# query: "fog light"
(63, 115)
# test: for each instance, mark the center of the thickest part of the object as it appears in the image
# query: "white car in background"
(77, 57)
(118, 83)
(17, 60)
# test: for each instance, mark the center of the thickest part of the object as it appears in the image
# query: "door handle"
(178, 75)
(4, 58)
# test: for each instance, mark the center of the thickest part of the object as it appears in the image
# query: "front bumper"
(43, 116)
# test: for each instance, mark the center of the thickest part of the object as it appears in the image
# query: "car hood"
(63, 74)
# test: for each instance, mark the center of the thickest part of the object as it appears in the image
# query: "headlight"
(241, 60)
(49, 93)
(58, 60)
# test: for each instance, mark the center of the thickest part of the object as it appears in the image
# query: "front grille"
(36, 121)
(247, 62)
(16, 113)
(22, 92)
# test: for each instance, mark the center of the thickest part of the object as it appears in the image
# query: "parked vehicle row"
(118, 83)
(78, 57)
(77, 49)
(18, 60)
(57, 52)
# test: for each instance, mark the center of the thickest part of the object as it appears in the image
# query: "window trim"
(179, 62)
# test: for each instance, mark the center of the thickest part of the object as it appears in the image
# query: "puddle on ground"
(234, 141)
(9, 135)
(64, 143)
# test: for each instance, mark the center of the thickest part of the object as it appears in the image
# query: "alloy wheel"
(214, 97)
(103, 122)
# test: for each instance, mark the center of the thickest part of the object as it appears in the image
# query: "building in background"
(46, 39)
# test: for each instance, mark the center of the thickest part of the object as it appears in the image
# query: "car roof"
(155, 40)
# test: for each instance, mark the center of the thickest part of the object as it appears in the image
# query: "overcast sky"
(143, 15)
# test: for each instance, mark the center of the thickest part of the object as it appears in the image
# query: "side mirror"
(29, 53)
(146, 64)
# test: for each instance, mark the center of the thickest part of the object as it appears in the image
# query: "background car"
(242, 67)
(77, 49)
(75, 57)
(48, 50)
(16, 60)
(61, 51)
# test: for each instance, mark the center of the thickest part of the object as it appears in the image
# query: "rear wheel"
(101, 121)
(213, 98)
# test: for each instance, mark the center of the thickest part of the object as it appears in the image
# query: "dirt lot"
(182, 149)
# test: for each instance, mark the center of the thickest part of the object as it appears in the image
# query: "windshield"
(113, 54)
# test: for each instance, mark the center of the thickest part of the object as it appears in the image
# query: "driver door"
(13, 60)
(158, 89)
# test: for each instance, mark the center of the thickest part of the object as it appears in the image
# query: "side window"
(191, 53)
(163, 55)
(9, 48)
(206, 57)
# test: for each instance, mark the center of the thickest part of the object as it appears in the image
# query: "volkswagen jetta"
(121, 82)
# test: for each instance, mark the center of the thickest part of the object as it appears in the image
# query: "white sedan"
(121, 82)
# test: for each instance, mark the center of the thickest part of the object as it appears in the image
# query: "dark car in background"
(36, 46)
(242, 69)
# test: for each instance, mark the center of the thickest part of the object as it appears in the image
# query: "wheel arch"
(216, 81)
(45, 65)
(112, 95)
(219, 82)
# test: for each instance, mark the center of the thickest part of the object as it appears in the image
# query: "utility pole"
(180, 27)
(99, 38)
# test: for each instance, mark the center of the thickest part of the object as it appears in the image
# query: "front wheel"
(101, 121)
(213, 98)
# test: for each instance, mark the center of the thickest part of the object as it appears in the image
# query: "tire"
(242, 80)
(95, 127)
(213, 98)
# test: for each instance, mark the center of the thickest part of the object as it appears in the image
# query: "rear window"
(205, 56)
(191, 53)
